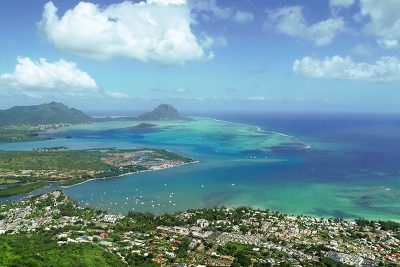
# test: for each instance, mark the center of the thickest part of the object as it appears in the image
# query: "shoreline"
(24, 195)
(128, 173)
(234, 206)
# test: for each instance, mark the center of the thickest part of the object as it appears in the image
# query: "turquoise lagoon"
(239, 164)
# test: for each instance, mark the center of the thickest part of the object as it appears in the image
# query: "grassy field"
(52, 160)
(4, 181)
(43, 250)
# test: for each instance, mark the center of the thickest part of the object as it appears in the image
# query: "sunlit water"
(321, 166)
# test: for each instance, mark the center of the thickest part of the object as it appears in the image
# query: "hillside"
(162, 112)
(50, 113)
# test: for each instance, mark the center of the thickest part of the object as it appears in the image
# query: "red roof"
(159, 260)
(104, 234)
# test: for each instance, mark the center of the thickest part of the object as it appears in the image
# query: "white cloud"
(363, 50)
(47, 76)
(115, 95)
(156, 30)
(386, 69)
(290, 20)
(181, 90)
(36, 79)
(258, 98)
(208, 42)
(167, 2)
(341, 3)
(384, 21)
(211, 7)
(243, 17)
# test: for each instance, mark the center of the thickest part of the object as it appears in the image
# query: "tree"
(242, 259)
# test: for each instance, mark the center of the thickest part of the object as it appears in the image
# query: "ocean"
(326, 165)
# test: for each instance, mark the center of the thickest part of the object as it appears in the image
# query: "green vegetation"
(52, 230)
(22, 189)
(51, 113)
(20, 133)
(43, 250)
(34, 169)
(165, 154)
(142, 222)
(54, 148)
(143, 125)
(22, 124)
(138, 260)
(385, 225)
(72, 159)
(325, 262)
(390, 225)
(241, 252)
(5, 181)
(52, 160)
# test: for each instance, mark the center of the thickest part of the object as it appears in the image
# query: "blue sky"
(202, 55)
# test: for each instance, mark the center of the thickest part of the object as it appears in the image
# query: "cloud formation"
(384, 21)
(115, 95)
(386, 69)
(47, 76)
(156, 30)
(212, 9)
(35, 78)
(290, 20)
(258, 98)
(341, 3)
(209, 9)
(181, 90)
(243, 16)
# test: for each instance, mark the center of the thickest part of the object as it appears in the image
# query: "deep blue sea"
(340, 165)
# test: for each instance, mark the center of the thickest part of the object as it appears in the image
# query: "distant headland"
(22, 123)
(58, 113)
(48, 113)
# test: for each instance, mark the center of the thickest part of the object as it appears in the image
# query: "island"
(48, 229)
(143, 125)
(163, 112)
(25, 171)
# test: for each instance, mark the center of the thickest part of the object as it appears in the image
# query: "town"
(206, 237)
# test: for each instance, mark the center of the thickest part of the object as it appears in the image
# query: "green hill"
(50, 113)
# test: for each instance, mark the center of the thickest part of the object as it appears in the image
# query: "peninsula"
(25, 171)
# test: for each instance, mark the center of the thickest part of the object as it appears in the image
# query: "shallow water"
(351, 169)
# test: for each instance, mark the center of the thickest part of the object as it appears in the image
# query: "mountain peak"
(167, 107)
(161, 112)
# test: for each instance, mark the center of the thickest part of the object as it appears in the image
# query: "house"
(202, 223)
(159, 260)
(104, 235)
